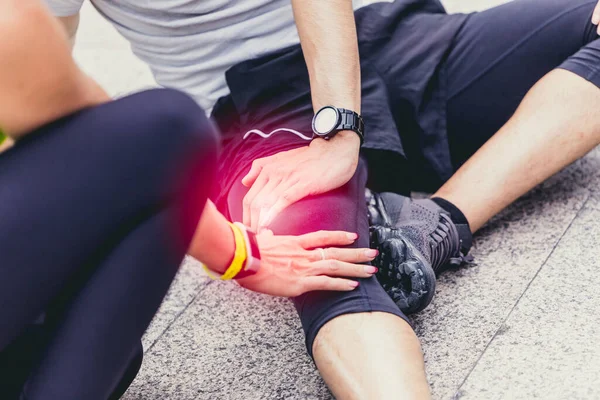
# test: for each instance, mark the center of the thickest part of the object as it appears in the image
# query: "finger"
(257, 166)
(312, 283)
(327, 239)
(596, 15)
(257, 186)
(347, 255)
(262, 202)
(341, 268)
(286, 198)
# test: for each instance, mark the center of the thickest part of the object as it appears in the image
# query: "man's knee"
(359, 328)
(319, 310)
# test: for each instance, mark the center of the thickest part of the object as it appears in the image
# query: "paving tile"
(106, 56)
(230, 344)
(455, 6)
(95, 32)
(548, 348)
(471, 303)
(189, 282)
(118, 71)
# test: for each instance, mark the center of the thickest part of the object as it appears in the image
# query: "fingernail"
(370, 270)
(352, 236)
(353, 284)
(371, 253)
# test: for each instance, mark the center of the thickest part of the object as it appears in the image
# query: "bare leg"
(386, 361)
(557, 123)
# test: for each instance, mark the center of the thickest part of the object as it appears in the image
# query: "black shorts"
(435, 88)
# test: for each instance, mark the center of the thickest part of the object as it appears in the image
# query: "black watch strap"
(351, 121)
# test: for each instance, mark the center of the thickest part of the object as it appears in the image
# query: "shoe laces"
(445, 248)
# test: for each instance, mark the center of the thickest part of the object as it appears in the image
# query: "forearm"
(213, 244)
(329, 41)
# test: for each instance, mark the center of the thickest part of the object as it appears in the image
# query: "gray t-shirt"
(189, 44)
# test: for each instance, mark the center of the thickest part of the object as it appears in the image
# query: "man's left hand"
(282, 179)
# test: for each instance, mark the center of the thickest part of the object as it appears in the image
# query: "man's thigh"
(498, 55)
(342, 209)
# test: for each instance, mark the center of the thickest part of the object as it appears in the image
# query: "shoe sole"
(403, 271)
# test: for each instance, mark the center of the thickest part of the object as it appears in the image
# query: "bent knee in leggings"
(163, 139)
(162, 121)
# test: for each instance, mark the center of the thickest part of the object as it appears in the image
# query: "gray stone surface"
(472, 303)
(549, 346)
(189, 282)
(107, 57)
(510, 328)
(465, 6)
(230, 344)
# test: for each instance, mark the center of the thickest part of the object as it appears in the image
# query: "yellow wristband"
(3, 136)
(239, 258)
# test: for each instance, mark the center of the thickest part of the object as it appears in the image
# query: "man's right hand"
(293, 265)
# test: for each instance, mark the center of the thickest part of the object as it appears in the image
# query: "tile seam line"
(199, 289)
(583, 206)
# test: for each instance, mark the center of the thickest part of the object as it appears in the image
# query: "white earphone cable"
(266, 136)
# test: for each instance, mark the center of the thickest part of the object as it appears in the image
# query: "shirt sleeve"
(64, 8)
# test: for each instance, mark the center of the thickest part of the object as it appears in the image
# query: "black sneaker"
(416, 240)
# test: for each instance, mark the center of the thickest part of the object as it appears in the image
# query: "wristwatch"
(329, 120)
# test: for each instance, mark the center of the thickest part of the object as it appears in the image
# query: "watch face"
(326, 120)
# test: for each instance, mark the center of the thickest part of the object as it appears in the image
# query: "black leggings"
(500, 53)
(97, 211)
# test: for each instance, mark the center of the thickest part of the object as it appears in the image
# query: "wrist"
(225, 255)
(214, 242)
(349, 138)
(237, 262)
(347, 142)
(246, 257)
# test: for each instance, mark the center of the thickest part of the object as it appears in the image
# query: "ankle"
(460, 221)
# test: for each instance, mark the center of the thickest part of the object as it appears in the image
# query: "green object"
(2, 136)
